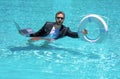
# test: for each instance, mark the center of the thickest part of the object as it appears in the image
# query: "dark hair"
(60, 12)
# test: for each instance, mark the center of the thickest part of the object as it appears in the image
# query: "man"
(54, 30)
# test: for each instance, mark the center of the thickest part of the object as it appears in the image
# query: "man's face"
(59, 19)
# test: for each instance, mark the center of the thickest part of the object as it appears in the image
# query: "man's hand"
(84, 31)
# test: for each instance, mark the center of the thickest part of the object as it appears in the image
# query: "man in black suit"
(55, 30)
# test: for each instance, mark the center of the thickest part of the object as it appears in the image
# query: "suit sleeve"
(72, 34)
(39, 33)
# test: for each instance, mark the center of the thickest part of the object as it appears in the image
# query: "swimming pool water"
(65, 58)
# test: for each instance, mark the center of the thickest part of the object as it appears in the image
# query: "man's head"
(59, 17)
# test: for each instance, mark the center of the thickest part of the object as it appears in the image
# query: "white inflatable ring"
(103, 27)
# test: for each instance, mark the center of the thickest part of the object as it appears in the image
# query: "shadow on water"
(28, 48)
(42, 48)
(72, 51)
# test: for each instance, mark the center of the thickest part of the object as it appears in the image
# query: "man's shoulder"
(63, 26)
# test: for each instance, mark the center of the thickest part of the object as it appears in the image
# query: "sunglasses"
(60, 18)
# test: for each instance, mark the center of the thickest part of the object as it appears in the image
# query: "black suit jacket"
(46, 29)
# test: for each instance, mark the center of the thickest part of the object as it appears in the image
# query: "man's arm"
(45, 30)
(39, 33)
(72, 34)
(75, 34)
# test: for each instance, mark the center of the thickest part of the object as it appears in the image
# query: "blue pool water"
(66, 58)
